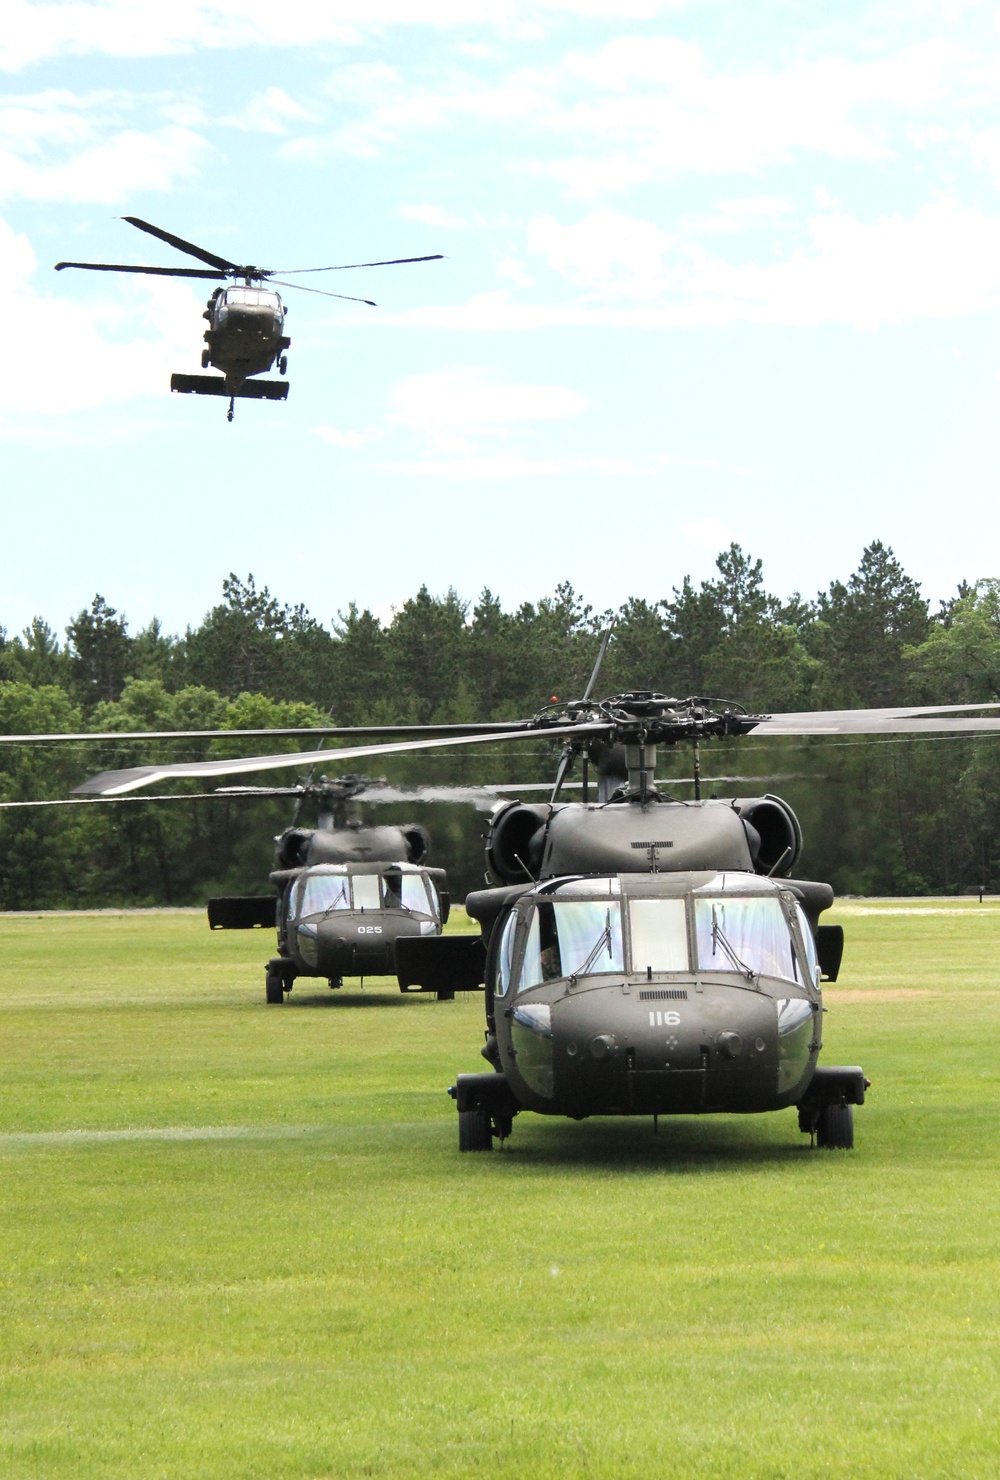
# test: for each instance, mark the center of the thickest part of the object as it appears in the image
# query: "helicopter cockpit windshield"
(251, 298)
(747, 932)
(321, 893)
(749, 935)
(391, 889)
(401, 891)
(569, 937)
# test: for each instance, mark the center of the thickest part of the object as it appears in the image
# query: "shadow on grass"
(684, 1144)
(337, 997)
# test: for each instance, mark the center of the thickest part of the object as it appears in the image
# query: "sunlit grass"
(279, 1265)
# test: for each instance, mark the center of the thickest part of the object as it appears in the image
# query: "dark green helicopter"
(346, 892)
(643, 955)
(246, 320)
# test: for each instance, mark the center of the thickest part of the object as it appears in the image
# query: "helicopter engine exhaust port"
(515, 843)
(418, 842)
(773, 833)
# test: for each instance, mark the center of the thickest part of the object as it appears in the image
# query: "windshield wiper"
(719, 939)
(604, 939)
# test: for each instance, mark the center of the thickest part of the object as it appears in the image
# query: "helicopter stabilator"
(246, 320)
(641, 955)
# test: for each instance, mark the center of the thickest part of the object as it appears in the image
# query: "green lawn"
(240, 1241)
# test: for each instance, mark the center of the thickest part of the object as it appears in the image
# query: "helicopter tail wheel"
(475, 1133)
(835, 1127)
(232, 403)
(274, 987)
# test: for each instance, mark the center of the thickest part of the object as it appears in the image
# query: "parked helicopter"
(246, 323)
(644, 956)
(345, 892)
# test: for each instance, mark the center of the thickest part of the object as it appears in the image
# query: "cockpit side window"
(505, 955)
(812, 971)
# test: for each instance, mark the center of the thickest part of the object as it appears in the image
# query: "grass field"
(239, 1241)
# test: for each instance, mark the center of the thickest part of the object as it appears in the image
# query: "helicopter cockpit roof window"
(321, 893)
(571, 938)
(749, 935)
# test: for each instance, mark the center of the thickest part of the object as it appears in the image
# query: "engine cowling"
(301, 846)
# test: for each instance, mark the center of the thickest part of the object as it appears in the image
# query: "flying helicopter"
(246, 321)
(643, 955)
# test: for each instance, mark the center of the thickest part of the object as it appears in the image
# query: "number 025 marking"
(664, 1019)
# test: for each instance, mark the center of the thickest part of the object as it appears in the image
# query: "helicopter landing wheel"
(274, 988)
(475, 1132)
(835, 1128)
(335, 982)
(446, 996)
(206, 356)
(283, 365)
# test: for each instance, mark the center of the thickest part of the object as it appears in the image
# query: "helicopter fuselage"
(337, 920)
(246, 332)
(654, 994)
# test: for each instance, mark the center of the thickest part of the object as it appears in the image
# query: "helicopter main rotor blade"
(510, 727)
(189, 248)
(301, 288)
(349, 266)
(173, 796)
(182, 272)
(600, 659)
(115, 783)
(914, 719)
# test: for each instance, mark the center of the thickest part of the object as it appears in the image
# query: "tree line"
(889, 815)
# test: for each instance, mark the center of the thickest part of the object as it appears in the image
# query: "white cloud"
(606, 250)
(433, 216)
(73, 356)
(34, 30)
(941, 262)
(498, 469)
(349, 439)
(514, 272)
(709, 534)
(646, 107)
(112, 171)
(60, 146)
(450, 407)
(269, 113)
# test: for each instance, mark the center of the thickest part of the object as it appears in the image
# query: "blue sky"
(712, 271)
